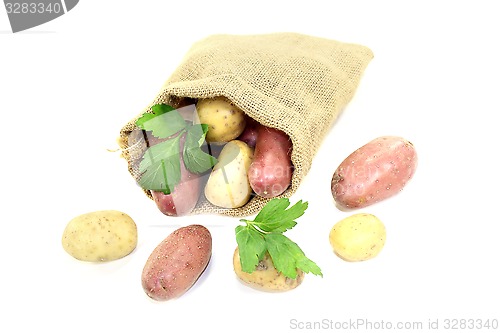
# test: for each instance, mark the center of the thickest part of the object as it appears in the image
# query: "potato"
(358, 237)
(228, 184)
(374, 172)
(175, 265)
(184, 196)
(225, 120)
(100, 236)
(266, 277)
(249, 134)
(271, 171)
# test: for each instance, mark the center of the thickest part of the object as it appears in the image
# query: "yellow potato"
(100, 236)
(358, 237)
(228, 185)
(225, 120)
(266, 277)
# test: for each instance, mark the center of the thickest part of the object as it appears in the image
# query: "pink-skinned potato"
(177, 263)
(184, 196)
(374, 172)
(270, 173)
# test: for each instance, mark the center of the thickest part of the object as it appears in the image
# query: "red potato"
(184, 197)
(270, 173)
(249, 135)
(374, 172)
(175, 265)
(182, 200)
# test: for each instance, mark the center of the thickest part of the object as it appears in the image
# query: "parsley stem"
(251, 225)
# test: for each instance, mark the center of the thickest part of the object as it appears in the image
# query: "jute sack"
(294, 82)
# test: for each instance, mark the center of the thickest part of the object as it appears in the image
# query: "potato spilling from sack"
(100, 236)
(374, 172)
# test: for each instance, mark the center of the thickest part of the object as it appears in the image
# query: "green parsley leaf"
(275, 217)
(195, 159)
(308, 266)
(160, 166)
(288, 257)
(162, 122)
(157, 110)
(282, 254)
(251, 245)
(265, 234)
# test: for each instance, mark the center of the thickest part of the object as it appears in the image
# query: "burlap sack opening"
(294, 82)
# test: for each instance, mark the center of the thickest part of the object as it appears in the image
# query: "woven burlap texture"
(294, 82)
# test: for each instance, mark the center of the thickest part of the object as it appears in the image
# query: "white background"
(68, 86)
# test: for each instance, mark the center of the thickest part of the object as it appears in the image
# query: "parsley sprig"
(265, 234)
(160, 166)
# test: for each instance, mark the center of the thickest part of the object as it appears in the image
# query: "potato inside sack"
(184, 196)
(224, 119)
(271, 170)
(249, 134)
(228, 185)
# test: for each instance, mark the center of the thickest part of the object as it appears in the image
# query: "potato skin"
(374, 172)
(184, 197)
(100, 236)
(271, 171)
(228, 184)
(266, 277)
(249, 135)
(225, 120)
(177, 262)
(358, 237)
